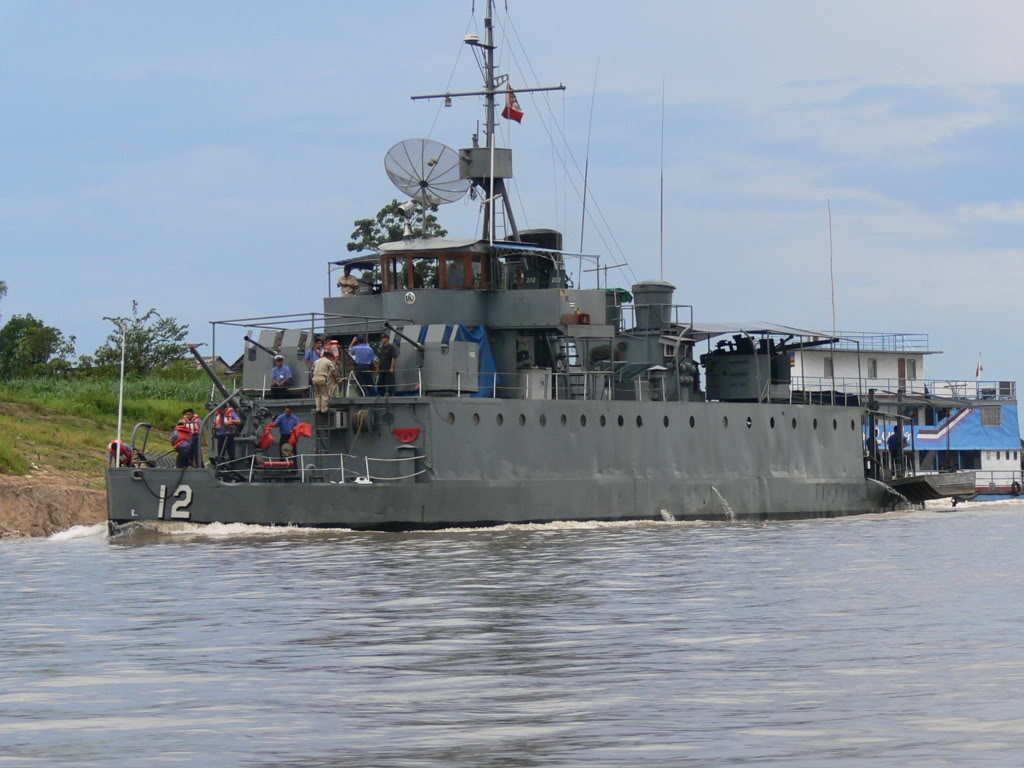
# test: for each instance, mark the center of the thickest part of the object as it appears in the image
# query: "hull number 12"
(182, 497)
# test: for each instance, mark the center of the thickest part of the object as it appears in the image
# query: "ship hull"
(486, 462)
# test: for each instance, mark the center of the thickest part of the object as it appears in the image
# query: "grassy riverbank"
(63, 425)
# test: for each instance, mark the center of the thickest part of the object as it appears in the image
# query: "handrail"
(938, 388)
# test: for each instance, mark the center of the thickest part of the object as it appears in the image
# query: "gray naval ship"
(518, 396)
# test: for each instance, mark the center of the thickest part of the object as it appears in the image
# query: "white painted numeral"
(179, 509)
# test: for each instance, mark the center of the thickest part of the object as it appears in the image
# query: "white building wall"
(811, 363)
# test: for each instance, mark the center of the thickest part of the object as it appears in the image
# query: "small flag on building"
(512, 110)
(980, 369)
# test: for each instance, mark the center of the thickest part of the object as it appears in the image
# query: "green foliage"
(29, 346)
(152, 342)
(3, 288)
(11, 461)
(155, 399)
(389, 224)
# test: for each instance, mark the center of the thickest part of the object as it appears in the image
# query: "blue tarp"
(488, 369)
(476, 335)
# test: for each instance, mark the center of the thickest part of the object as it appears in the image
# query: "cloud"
(993, 211)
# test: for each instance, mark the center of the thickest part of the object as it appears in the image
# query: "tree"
(27, 346)
(3, 288)
(152, 342)
(389, 224)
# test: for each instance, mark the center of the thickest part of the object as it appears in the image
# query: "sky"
(209, 159)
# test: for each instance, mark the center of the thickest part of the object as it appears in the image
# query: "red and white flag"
(980, 369)
(512, 110)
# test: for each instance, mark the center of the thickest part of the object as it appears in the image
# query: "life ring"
(1015, 488)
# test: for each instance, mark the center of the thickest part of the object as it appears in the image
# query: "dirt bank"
(42, 503)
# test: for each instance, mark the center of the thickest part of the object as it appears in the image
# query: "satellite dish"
(426, 170)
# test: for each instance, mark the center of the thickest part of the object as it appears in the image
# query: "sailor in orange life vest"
(195, 426)
(225, 427)
(181, 439)
(126, 453)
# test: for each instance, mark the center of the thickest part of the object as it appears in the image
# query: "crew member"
(285, 423)
(325, 379)
(181, 440)
(281, 378)
(195, 426)
(348, 283)
(225, 427)
(313, 354)
(363, 355)
(126, 453)
(388, 358)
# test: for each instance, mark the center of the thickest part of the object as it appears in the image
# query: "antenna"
(487, 167)
(426, 170)
(661, 191)
(832, 281)
(586, 168)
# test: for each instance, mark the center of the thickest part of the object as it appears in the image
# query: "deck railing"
(941, 388)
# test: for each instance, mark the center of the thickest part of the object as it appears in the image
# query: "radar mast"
(488, 166)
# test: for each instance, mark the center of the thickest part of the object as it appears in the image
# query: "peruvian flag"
(512, 110)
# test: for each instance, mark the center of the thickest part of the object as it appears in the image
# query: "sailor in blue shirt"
(363, 355)
(285, 423)
(282, 378)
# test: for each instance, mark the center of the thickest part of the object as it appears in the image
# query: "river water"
(889, 640)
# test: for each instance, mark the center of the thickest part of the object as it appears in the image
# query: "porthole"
(815, 424)
(639, 421)
(500, 419)
(853, 426)
(522, 420)
(693, 422)
(543, 420)
(583, 420)
(476, 418)
(450, 418)
(835, 424)
(771, 422)
(563, 420)
(621, 421)
(794, 423)
(725, 421)
(665, 421)
(603, 420)
(750, 422)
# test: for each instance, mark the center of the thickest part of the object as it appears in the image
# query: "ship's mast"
(488, 166)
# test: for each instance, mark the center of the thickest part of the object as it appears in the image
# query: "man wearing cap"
(281, 376)
(363, 355)
(325, 379)
(285, 423)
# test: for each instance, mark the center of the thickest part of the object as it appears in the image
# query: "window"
(911, 368)
(829, 369)
(991, 416)
(872, 367)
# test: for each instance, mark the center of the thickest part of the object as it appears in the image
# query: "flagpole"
(120, 397)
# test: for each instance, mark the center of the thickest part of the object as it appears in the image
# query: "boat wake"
(79, 532)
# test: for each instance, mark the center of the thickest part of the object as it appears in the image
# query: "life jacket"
(182, 434)
(227, 420)
(195, 424)
(126, 453)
